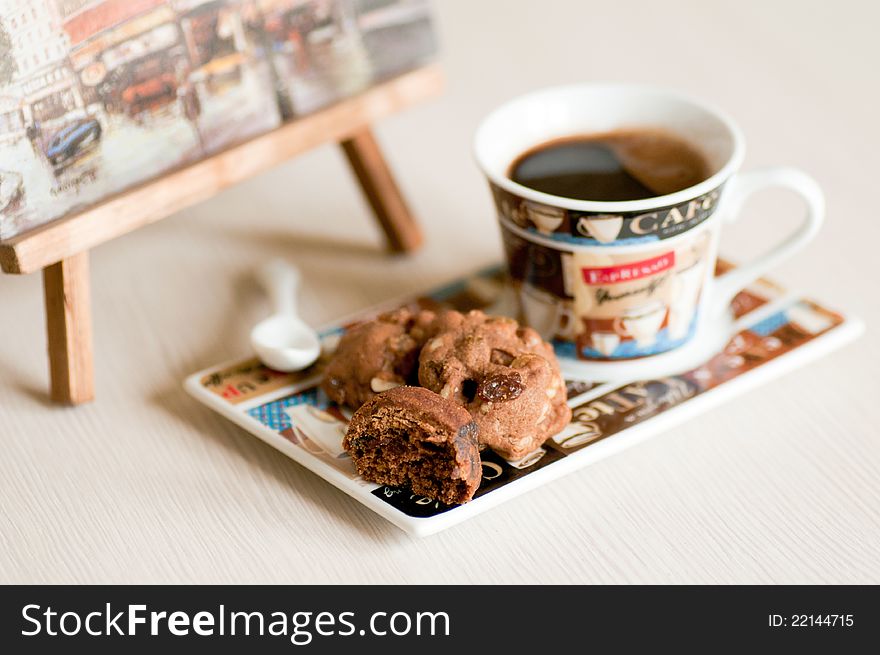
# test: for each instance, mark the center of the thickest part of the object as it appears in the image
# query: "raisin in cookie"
(377, 355)
(505, 375)
(412, 437)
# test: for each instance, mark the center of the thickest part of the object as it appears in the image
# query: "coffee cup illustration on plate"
(686, 287)
(603, 228)
(605, 342)
(321, 428)
(545, 218)
(641, 323)
(528, 460)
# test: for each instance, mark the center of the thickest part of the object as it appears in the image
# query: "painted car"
(73, 140)
(151, 84)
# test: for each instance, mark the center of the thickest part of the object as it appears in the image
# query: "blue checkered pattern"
(272, 414)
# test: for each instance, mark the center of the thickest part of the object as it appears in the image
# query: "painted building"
(44, 84)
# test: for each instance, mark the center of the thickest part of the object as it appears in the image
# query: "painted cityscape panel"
(99, 95)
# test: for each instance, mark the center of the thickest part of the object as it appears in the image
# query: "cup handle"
(619, 328)
(742, 186)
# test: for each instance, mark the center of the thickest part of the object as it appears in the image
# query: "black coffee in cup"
(630, 164)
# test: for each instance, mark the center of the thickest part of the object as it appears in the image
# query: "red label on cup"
(629, 271)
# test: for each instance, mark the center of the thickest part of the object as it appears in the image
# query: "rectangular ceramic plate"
(780, 331)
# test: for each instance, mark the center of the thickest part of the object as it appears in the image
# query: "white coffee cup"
(623, 253)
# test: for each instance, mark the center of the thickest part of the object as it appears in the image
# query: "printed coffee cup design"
(604, 229)
(547, 219)
(630, 279)
(548, 314)
(509, 207)
(567, 226)
(605, 342)
(623, 300)
(610, 304)
(544, 269)
(641, 323)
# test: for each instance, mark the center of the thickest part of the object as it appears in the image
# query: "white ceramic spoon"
(283, 341)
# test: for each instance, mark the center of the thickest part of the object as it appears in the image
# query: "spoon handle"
(281, 282)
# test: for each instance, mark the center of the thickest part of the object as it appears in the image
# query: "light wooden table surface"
(781, 485)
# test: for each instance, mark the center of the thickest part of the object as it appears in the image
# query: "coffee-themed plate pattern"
(291, 413)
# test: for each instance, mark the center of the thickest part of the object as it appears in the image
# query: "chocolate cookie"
(506, 376)
(377, 355)
(412, 437)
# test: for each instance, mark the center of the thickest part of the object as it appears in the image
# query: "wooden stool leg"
(69, 328)
(382, 193)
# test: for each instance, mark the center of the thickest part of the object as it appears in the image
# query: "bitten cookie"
(377, 355)
(412, 437)
(505, 375)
